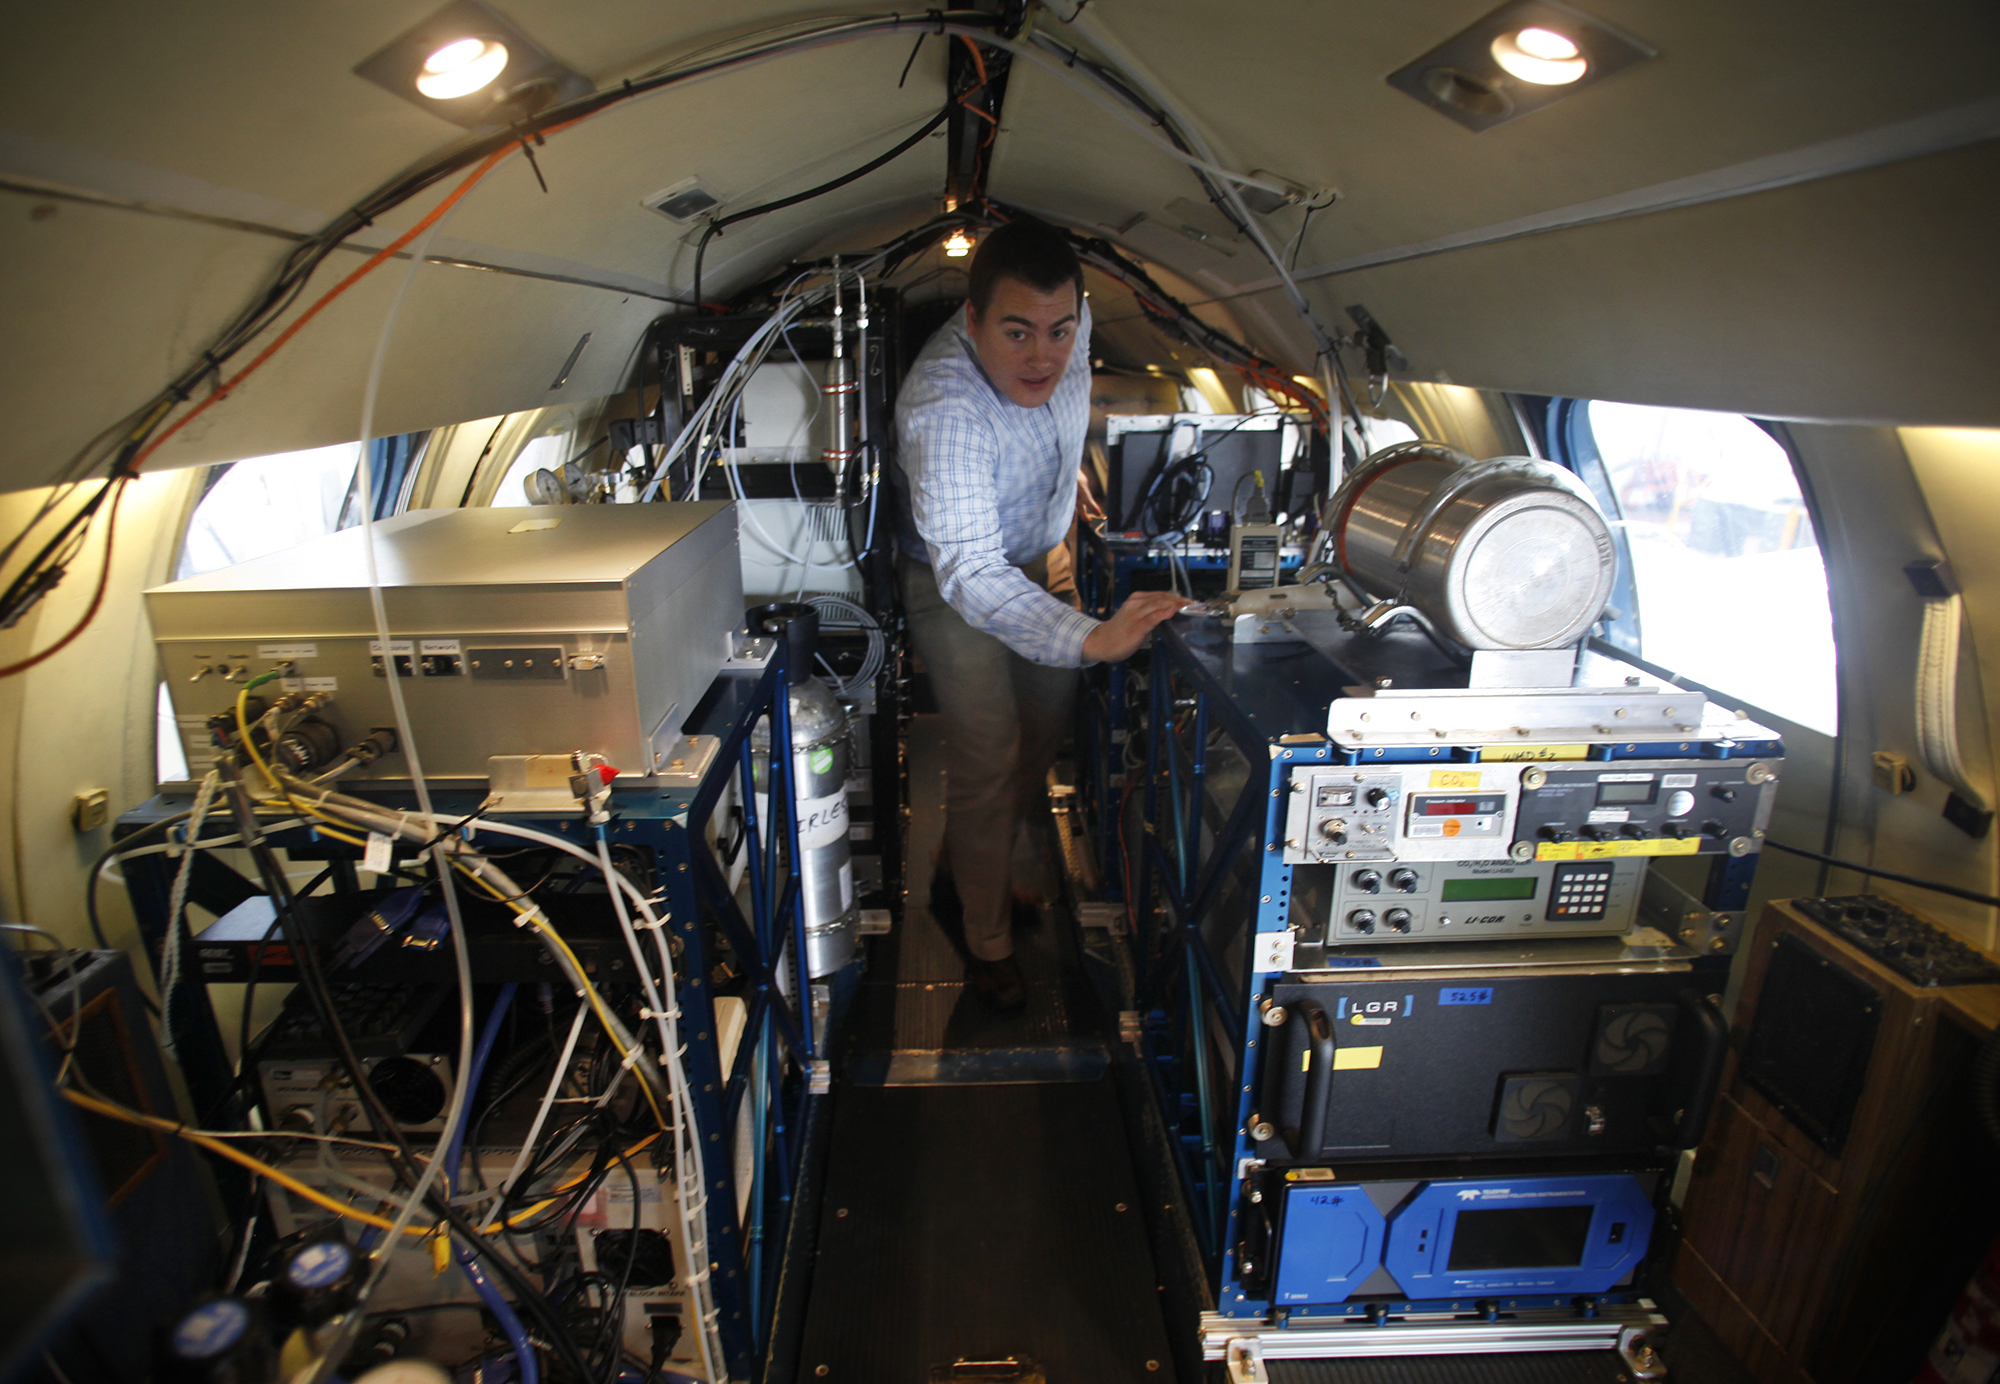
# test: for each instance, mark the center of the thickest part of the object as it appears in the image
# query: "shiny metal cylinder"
(820, 767)
(1510, 553)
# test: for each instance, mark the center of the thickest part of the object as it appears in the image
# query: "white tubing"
(548, 1099)
(691, 1200)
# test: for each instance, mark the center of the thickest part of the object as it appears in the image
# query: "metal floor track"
(982, 1223)
(1547, 1367)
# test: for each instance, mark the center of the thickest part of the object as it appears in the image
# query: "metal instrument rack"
(1210, 900)
(1111, 567)
(779, 1065)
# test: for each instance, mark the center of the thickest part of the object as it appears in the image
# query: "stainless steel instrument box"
(520, 631)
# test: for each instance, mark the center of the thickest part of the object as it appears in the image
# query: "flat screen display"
(1627, 792)
(1474, 890)
(1529, 1237)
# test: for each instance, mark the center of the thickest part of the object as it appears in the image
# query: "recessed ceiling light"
(1541, 56)
(461, 68)
(473, 66)
(1523, 56)
(958, 245)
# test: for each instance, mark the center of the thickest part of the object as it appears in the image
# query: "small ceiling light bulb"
(1540, 56)
(958, 245)
(461, 68)
(1546, 44)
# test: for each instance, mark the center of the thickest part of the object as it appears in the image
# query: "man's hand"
(1118, 638)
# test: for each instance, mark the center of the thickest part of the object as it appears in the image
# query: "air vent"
(1632, 1039)
(683, 202)
(1535, 1106)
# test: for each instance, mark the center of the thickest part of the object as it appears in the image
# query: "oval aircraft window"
(262, 505)
(265, 505)
(1726, 578)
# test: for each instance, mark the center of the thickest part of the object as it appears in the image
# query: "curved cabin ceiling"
(1788, 211)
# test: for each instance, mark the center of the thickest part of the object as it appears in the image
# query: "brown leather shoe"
(998, 983)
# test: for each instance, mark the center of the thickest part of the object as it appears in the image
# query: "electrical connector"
(591, 785)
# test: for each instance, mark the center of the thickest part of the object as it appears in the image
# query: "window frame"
(1573, 445)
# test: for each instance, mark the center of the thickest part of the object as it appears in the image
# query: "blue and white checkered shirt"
(989, 486)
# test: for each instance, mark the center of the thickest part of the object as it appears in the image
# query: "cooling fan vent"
(1632, 1040)
(1535, 1107)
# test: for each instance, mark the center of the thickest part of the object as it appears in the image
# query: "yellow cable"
(535, 920)
(556, 1192)
(222, 1150)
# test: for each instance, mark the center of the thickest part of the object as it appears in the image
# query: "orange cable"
(380, 257)
(96, 600)
(978, 60)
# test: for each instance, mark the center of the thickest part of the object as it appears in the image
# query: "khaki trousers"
(1004, 719)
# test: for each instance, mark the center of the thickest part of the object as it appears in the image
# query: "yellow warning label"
(1454, 778)
(1356, 1059)
(1515, 754)
(1603, 850)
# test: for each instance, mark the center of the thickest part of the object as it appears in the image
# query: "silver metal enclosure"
(1510, 553)
(520, 631)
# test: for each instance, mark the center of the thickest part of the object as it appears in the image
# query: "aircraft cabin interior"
(1037, 692)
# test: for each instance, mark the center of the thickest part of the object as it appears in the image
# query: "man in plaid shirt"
(990, 427)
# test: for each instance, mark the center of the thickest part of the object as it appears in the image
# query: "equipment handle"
(1705, 1011)
(1319, 1077)
(1267, 1122)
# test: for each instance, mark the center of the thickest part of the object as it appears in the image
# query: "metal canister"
(1510, 553)
(820, 760)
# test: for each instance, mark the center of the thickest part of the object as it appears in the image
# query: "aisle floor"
(979, 1201)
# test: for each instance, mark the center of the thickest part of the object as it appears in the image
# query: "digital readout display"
(1627, 792)
(1542, 1237)
(1457, 807)
(1476, 890)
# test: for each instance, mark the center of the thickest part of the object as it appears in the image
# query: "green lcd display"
(1474, 890)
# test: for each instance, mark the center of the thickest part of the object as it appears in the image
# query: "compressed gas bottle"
(820, 760)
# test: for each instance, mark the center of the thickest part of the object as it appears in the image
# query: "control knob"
(1637, 831)
(1362, 920)
(1377, 796)
(1714, 828)
(1554, 832)
(1592, 833)
(1677, 830)
(1724, 792)
(1403, 881)
(1368, 881)
(1398, 919)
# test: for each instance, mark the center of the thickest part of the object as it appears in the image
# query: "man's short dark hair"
(1032, 251)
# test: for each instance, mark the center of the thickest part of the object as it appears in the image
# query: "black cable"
(715, 226)
(288, 281)
(614, 1307)
(1971, 895)
(1182, 486)
(534, 1047)
(404, 1162)
(249, 1002)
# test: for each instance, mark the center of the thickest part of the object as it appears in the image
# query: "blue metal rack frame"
(1203, 952)
(777, 1059)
